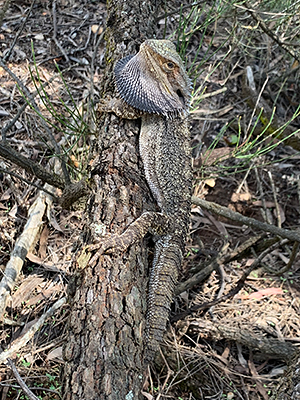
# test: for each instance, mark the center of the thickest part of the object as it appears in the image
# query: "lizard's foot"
(115, 243)
(105, 105)
(118, 107)
(108, 246)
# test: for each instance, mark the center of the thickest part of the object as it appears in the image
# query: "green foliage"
(198, 21)
(283, 6)
(25, 363)
(62, 116)
(199, 24)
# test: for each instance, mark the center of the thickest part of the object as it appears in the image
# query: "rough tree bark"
(289, 385)
(105, 344)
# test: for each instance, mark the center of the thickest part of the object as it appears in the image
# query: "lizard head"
(154, 80)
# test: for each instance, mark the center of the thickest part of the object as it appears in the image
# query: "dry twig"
(54, 38)
(22, 246)
(270, 33)
(8, 54)
(233, 291)
(21, 178)
(214, 264)
(21, 341)
(3, 11)
(20, 381)
(33, 104)
(275, 199)
(234, 216)
(33, 168)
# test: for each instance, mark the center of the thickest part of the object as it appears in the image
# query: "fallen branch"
(201, 272)
(33, 168)
(29, 97)
(5, 6)
(20, 381)
(270, 32)
(21, 341)
(271, 347)
(21, 178)
(234, 216)
(8, 54)
(54, 38)
(22, 246)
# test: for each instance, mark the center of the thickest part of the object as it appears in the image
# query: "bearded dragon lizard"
(153, 85)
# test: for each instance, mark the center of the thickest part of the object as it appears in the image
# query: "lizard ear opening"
(181, 97)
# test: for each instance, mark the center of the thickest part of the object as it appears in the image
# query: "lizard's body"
(164, 148)
(153, 85)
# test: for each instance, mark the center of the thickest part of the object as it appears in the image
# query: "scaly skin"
(154, 86)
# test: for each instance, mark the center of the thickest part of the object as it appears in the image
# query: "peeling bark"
(104, 349)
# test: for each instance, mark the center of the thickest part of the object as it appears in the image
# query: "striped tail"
(163, 279)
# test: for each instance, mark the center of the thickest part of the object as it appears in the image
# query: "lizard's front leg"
(149, 221)
(119, 107)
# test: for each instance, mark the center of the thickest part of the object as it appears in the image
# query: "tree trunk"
(105, 345)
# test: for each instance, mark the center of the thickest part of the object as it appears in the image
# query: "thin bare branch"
(233, 291)
(20, 381)
(8, 54)
(271, 33)
(21, 341)
(234, 216)
(31, 167)
(33, 104)
(6, 171)
(3, 11)
(54, 38)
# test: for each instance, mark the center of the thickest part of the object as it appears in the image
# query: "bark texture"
(289, 385)
(105, 344)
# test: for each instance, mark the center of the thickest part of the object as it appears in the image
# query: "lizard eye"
(170, 65)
